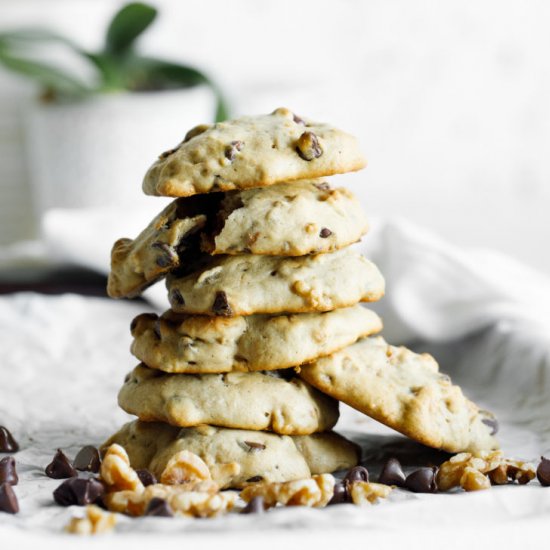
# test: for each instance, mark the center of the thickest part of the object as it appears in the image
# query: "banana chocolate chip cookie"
(236, 457)
(253, 151)
(247, 284)
(200, 344)
(405, 391)
(249, 401)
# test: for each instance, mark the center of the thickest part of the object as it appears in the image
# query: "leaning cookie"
(248, 401)
(405, 391)
(200, 344)
(288, 219)
(236, 457)
(248, 284)
(140, 262)
(253, 151)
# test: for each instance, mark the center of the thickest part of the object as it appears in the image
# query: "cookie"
(199, 344)
(253, 151)
(288, 219)
(140, 262)
(243, 400)
(236, 457)
(247, 284)
(405, 391)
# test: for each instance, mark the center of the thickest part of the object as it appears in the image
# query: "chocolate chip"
(79, 491)
(196, 131)
(341, 493)
(8, 500)
(492, 423)
(232, 149)
(543, 472)
(323, 186)
(88, 459)
(7, 441)
(255, 446)
(325, 232)
(60, 467)
(422, 481)
(359, 473)
(255, 506)
(168, 256)
(8, 472)
(166, 154)
(392, 473)
(159, 508)
(146, 477)
(308, 146)
(176, 297)
(254, 479)
(298, 120)
(221, 305)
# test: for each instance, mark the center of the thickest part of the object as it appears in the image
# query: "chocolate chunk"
(255, 446)
(60, 467)
(422, 481)
(341, 493)
(8, 500)
(177, 298)
(232, 149)
(7, 441)
(196, 131)
(308, 146)
(166, 154)
(543, 472)
(298, 120)
(159, 508)
(255, 506)
(254, 479)
(146, 477)
(392, 473)
(79, 491)
(221, 305)
(8, 473)
(492, 423)
(88, 459)
(168, 256)
(359, 473)
(323, 186)
(325, 232)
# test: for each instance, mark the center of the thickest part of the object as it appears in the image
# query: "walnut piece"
(364, 492)
(316, 491)
(474, 472)
(185, 467)
(116, 471)
(94, 522)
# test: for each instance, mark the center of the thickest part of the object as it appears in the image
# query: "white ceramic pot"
(94, 153)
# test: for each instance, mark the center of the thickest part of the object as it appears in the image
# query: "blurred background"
(449, 99)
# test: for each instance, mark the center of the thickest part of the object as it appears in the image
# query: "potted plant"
(90, 140)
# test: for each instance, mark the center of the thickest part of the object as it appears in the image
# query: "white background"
(450, 99)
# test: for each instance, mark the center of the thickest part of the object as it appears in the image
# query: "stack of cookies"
(266, 332)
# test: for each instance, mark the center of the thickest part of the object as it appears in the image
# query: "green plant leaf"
(127, 24)
(50, 77)
(31, 35)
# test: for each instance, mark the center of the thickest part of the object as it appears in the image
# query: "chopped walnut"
(316, 491)
(364, 492)
(185, 467)
(474, 472)
(116, 471)
(95, 521)
(194, 499)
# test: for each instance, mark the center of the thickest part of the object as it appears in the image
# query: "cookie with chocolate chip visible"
(248, 284)
(200, 344)
(236, 458)
(405, 391)
(250, 401)
(252, 151)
